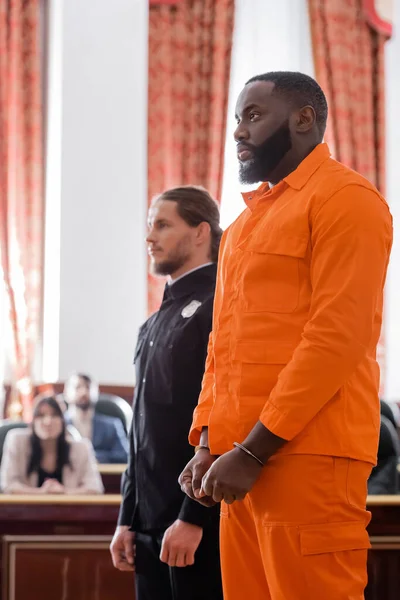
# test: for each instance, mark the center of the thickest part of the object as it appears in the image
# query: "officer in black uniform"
(171, 541)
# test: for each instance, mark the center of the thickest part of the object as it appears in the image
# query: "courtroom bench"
(111, 477)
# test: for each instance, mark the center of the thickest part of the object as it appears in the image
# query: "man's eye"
(253, 116)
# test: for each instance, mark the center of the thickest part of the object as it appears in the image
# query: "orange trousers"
(300, 534)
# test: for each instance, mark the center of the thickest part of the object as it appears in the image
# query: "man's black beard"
(85, 407)
(266, 157)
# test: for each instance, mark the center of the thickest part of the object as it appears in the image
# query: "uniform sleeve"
(351, 241)
(194, 513)
(206, 399)
(128, 488)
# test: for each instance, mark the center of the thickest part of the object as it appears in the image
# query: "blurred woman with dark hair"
(41, 460)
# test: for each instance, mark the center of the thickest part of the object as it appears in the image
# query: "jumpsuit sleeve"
(351, 239)
(206, 400)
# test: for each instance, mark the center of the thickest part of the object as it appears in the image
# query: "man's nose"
(150, 237)
(241, 133)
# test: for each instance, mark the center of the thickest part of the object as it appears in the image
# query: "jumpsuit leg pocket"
(333, 537)
(334, 558)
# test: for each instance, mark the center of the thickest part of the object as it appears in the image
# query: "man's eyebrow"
(248, 107)
(158, 221)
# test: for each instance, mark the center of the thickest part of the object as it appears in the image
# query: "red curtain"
(189, 67)
(21, 183)
(349, 65)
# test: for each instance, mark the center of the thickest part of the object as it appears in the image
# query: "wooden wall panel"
(384, 569)
(62, 568)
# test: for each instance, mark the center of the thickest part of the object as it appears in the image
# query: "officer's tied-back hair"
(299, 89)
(195, 205)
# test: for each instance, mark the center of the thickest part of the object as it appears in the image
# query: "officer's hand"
(231, 477)
(191, 477)
(180, 543)
(122, 549)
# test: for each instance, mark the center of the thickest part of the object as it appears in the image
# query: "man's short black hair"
(301, 90)
(86, 378)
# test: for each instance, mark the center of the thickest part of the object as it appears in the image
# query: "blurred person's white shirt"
(82, 421)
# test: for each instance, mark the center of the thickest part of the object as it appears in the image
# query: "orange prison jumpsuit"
(297, 318)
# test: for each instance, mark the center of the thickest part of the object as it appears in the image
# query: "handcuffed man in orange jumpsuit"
(288, 418)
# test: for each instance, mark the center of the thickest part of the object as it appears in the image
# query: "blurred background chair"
(5, 427)
(114, 406)
(384, 478)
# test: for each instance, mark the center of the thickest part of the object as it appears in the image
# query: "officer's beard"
(177, 258)
(266, 157)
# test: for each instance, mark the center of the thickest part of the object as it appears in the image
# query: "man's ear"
(306, 119)
(203, 232)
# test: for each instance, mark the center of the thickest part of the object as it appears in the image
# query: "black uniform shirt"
(169, 360)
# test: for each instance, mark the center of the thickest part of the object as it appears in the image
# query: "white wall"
(392, 331)
(264, 40)
(95, 292)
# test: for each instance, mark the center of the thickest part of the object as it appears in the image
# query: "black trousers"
(156, 581)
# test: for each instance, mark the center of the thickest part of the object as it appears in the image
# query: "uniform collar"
(195, 280)
(297, 179)
(173, 281)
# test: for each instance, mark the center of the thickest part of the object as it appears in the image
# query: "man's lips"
(243, 153)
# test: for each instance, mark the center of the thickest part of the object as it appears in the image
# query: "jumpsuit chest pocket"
(271, 272)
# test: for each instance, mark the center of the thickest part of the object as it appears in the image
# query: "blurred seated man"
(107, 434)
(384, 477)
(42, 460)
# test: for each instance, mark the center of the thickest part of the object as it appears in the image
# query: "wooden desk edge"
(101, 499)
(115, 500)
(111, 469)
(392, 500)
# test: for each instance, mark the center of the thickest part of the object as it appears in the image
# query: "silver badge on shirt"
(190, 309)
